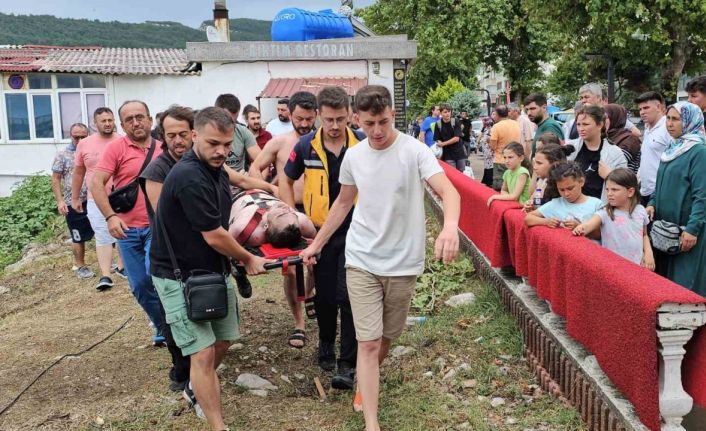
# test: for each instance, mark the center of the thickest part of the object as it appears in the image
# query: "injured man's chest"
(257, 217)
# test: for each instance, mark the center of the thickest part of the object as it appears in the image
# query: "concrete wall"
(246, 80)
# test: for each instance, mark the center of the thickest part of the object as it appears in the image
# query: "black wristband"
(112, 215)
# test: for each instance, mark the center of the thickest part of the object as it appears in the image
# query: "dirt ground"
(122, 383)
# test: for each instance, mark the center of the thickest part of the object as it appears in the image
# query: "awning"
(286, 87)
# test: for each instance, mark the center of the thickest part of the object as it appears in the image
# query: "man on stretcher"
(257, 217)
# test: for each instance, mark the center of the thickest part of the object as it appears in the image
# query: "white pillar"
(676, 325)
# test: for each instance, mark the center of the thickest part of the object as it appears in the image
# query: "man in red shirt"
(253, 120)
(121, 161)
(88, 155)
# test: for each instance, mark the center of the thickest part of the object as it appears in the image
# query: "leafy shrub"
(444, 92)
(468, 101)
(29, 212)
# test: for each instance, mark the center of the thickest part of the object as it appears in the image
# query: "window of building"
(46, 105)
(43, 119)
(17, 116)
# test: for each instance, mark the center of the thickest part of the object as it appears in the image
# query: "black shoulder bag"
(205, 292)
(124, 198)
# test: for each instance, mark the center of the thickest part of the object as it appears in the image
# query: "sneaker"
(74, 268)
(85, 272)
(159, 341)
(190, 398)
(104, 283)
(327, 356)
(344, 377)
(120, 272)
(177, 386)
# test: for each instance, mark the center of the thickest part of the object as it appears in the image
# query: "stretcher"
(284, 258)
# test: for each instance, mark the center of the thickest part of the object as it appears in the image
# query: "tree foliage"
(468, 101)
(673, 31)
(444, 92)
(455, 36)
(50, 30)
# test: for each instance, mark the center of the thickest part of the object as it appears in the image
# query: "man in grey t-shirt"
(244, 149)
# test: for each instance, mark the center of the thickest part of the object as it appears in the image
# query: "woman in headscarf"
(616, 116)
(680, 196)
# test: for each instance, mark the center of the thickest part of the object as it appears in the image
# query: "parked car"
(563, 116)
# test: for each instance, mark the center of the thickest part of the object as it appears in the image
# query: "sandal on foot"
(357, 402)
(297, 335)
(310, 308)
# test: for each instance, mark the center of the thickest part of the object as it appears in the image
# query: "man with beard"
(317, 157)
(193, 214)
(283, 123)
(302, 105)
(253, 121)
(536, 107)
(122, 161)
(177, 124)
(88, 154)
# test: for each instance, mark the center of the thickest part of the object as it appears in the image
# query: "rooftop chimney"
(220, 20)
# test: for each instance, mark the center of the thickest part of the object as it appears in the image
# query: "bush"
(468, 101)
(443, 93)
(29, 212)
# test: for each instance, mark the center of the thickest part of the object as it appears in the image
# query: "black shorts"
(79, 226)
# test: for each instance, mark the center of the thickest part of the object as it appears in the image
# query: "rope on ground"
(26, 388)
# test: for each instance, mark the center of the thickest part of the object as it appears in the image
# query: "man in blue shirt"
(426, 135)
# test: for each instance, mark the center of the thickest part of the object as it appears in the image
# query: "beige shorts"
(379, 304)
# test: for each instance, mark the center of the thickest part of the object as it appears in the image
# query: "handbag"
(123, 199)
(665, 236)
(205, 292)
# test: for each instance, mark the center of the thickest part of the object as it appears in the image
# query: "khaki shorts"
(379, 304)
(193, 337)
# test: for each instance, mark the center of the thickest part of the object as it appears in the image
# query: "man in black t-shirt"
(194, 207)
(447, 136)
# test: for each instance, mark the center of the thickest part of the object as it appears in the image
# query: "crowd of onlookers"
(640, 194)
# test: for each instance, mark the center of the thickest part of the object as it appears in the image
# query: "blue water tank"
(294, 24)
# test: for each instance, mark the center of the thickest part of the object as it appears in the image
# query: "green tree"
(468, 101)
(441, 36)
(648, 38)
(455, 36)
(444, 92)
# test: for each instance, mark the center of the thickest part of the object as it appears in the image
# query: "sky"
(189, 12)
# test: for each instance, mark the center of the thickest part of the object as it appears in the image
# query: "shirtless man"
(302, 106)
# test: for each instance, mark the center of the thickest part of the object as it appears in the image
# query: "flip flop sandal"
(310, 308)
(357, 402)
(297, 335)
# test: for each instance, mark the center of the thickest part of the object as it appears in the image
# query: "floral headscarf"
(692, 120)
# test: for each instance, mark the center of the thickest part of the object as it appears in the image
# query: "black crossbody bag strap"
(146, 163)
(148, 159)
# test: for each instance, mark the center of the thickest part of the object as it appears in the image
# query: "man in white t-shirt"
(283, 123)
(385, 245)
(656, 140)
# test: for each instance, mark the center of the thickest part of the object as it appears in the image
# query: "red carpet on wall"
(610, 304)
(694, 368)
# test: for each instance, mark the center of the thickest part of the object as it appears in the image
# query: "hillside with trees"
(50, 30)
